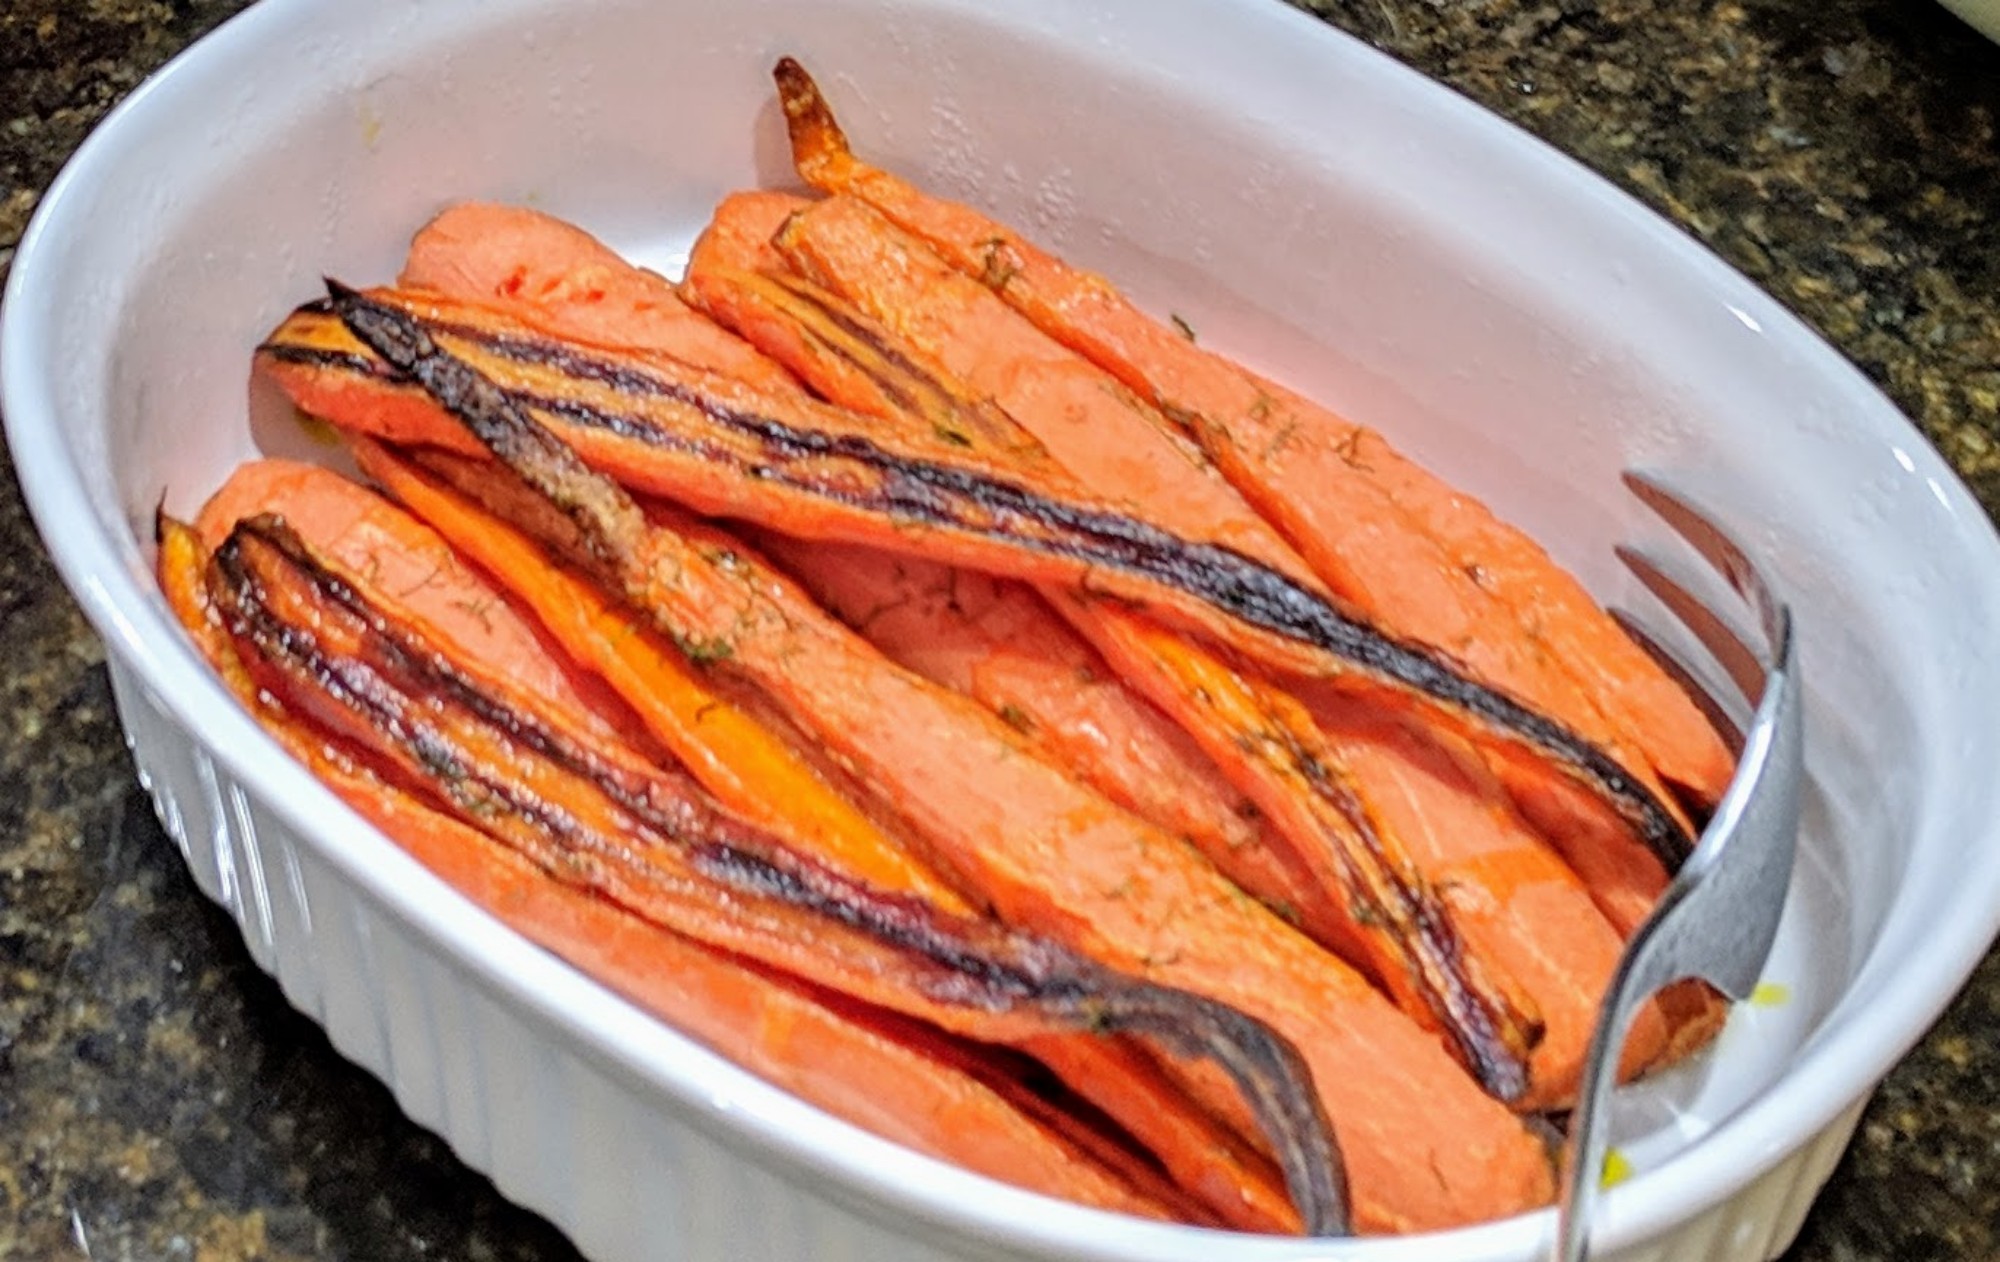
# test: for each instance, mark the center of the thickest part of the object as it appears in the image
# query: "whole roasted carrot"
(724, 448)
(1424, 1146)
(1426, 560)
(1338, 873)
(1307, 785)
(588, 816)
(743, 765)
(896, 1078)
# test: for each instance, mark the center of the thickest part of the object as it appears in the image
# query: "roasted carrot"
(561, 280)
(895, 1078)
(1424, 1146)
(1340, 876)
(1303, 483)
(741, 763)
(724, 448)
(727, 751)
(1306, 785)
(1427, 561)
(647, 843)
(732, 755)
(1514, 900)
(997, 642)
(422, 577)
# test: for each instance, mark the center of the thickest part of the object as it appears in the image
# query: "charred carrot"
(732, 755)
(560, 279)
(649, 845)
(423, 579)
(805, 469)
(1624, 878)
(1000, 644)
(1425, 560)
(1342, 877)
(1297, 778)
(848, 361)
(723, 747)
(1515, 901)
(1044, 851)
(1331, 867)
(738, 761)
(896, 1078)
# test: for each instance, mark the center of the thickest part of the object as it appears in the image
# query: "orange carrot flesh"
(741, 760)
(1050, 854)
(1557, 611)
(561, 280)
(1274, 783)
(1515, 901)
(896, 1079)
(826, 354)
(1387, 925)
(998, 643)
(620, 841)
(743, 765)
(845, 359)
(732, 756)
(1090, 425)
(421, 577)
(1430, 562)
(725, 449)
(1624, 876)
(738, 235)
(1161, 1121)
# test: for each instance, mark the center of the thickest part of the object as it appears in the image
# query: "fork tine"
(1714, 544)
(1742, 663)
(1713, 710)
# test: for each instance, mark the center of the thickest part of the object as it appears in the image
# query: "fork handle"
(1642, 972)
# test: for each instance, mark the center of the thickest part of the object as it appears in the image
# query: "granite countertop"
(158, 1099)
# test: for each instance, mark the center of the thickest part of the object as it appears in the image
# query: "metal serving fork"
(1716, 921)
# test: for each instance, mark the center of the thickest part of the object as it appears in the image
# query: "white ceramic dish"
(1984, 15)
(1331, 217)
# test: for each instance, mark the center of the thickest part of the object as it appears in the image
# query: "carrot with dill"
(590, 816)
(1304, 782)
(1043, 850)
(729, 752)
(1430, 562)
(1000, 644)
(1262, 741)
(725, 448)
(742, 764)
(1194, 1151)
(892, 1077)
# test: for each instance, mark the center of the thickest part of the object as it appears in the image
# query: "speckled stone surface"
(158, 1099)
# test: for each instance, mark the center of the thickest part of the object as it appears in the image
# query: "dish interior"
(1295, 200)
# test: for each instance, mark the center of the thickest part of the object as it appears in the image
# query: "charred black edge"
(1471, 1020)
(805, 295)
(987, 965)
(936, 494)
